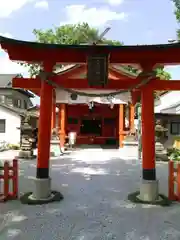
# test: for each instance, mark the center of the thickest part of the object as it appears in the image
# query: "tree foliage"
(67, 34)
(77, 34)
(177, 14)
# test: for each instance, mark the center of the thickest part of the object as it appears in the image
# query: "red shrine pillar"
(53, 118)
(131, 117)
(62, 122)
(121, 125)
(42, 191)
(149, 187)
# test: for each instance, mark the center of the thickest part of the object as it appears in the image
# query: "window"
(17, 103)
(2, 125)
(72, 120)
(175, 128)
(2, 99)
(25, 104)
(9, 101)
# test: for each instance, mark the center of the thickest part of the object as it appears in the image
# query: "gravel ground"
(95, 184)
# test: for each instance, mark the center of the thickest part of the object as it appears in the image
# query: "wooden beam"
(38, 52)
(36, 91)
(30, 83)
(165, 85)
(35, 84)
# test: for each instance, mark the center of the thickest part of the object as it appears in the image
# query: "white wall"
(167, 100)
(13, 121)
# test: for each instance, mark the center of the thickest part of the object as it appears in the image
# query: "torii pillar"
(149, 186)
(62, 124)
(42, 188)
(53, 119)
(121, 125)
(131, 117)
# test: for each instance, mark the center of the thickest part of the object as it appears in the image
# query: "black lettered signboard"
(97, 69)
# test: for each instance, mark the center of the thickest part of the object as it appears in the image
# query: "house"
(168, 111)
(13, 106)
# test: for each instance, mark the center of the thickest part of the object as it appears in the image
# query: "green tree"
(67, 34)
(177, 14)
(76, 34)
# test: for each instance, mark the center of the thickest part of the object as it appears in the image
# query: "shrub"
(173, 154)
(14, 146)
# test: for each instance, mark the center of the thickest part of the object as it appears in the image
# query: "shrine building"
(96, 120)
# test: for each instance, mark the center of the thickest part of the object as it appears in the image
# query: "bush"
(14, 146)
(173, 154)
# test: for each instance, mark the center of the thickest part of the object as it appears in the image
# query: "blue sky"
(131, 21)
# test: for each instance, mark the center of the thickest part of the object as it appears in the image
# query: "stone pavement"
(95, 184)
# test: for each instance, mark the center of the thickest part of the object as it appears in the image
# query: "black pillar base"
(163, 200)
(26, 198)
(149, 174)
(42, 173)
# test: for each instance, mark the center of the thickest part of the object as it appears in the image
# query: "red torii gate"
(49, 54)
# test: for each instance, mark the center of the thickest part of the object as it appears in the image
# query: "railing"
(174, 181)
(9, 173)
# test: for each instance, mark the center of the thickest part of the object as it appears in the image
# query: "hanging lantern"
(97, 69)
(111, 105)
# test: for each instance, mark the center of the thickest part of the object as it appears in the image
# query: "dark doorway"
(91, 127)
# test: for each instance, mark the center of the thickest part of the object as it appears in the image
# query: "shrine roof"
(86, 46)
(18, 111)
(6, 83)
(27, 51)
(121, 69)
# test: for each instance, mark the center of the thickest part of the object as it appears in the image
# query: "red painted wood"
(100, 111)
(30, 83)
(26, 51)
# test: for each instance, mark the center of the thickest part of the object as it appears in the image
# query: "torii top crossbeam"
(60, 53)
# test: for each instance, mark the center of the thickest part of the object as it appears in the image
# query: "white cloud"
(42, 4)
(115, 2)
(9, 6)
(6, 34)
(93, 16)
(7, 66)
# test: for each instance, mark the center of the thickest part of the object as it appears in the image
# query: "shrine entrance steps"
(96, 146)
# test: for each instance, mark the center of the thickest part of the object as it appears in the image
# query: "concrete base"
(149, 191)
(25, 154)
(41, 193)
(42, 188)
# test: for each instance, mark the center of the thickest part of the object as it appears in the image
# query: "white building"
(169, 112)
(13, 105)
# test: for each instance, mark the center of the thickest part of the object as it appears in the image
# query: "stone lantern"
(55, 149)
(161, 153)
(26, 150)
